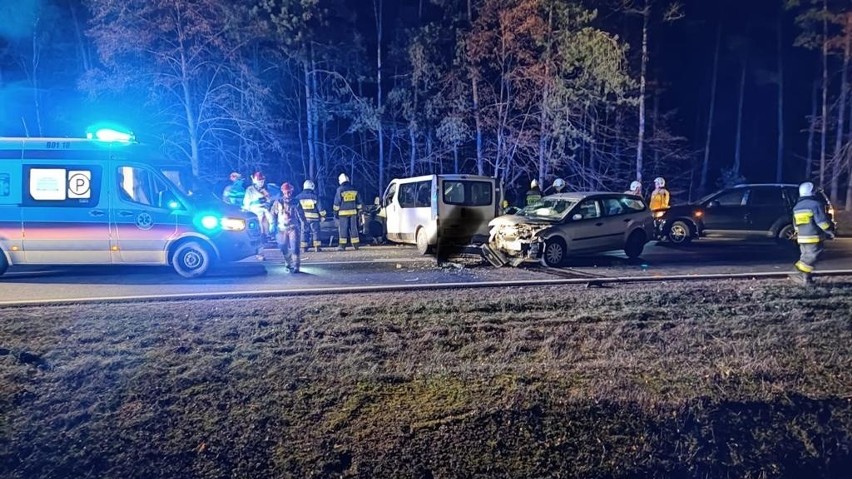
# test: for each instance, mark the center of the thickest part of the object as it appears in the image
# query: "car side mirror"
(577, 217)
(714, 204)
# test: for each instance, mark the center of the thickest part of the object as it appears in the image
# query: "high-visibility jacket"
(810, 220)
(533, 196)
(659, 199)
(346, 200)
(309, 201)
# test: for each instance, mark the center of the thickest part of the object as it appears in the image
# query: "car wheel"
(680, 233)
(4, 265)
(635, 245)
(191, 260)
(787, 235)
(422, 242)
(555, 252)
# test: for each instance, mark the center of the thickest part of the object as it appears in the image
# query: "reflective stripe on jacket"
(346, 200)
(810, 220)
(533, 196)
(288, 214)
(309, 201)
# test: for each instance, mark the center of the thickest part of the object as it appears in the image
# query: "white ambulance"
(109, 200)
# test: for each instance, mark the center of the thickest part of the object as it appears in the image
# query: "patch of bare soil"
(722, 379)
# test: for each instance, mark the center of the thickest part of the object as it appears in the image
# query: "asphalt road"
(396, 265)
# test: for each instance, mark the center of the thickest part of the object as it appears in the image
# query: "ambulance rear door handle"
(96, 213)
(126, 213)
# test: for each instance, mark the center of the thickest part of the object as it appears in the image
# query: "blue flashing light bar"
(110, 134)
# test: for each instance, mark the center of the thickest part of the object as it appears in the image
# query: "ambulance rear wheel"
(422, 240)
(191, 260)
(4, 265)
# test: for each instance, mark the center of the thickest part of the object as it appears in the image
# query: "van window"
(5, 185)
(389, 195)
(415, 195)
(71, 186)
(468, 193)
(137, 185)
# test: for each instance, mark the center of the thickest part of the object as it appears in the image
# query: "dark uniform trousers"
(311, 234)
(288, 242)
(347, 227)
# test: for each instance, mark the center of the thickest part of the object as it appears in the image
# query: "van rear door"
(143, 222)
(11, 235)
(466, 207)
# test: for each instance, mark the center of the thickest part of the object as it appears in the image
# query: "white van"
(67, 201)
(448, 208)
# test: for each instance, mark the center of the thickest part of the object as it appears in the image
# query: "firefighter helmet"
(660, 182)
(287, 189)
(235, 176)
(308, 185)
(534, 184)
(342, 178)
(559, 183)
(635, 186)
(806, 189)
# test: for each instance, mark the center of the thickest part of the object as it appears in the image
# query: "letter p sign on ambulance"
(79, 184)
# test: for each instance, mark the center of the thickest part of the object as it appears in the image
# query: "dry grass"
(725, 379)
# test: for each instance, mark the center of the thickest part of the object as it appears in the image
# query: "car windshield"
(549, 208)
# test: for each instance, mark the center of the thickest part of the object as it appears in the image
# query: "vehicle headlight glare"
(210, 222)
(233, 224)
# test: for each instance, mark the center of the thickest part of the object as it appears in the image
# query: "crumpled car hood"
(509, 220)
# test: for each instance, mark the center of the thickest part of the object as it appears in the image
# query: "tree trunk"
(739, 140)
(191, 124)
(646, 12)
(455, 158)
(809, 161)
(706, 164)
(841, 115)
(35, 63)
(377, 9)
(779, 159)
(309, 108)
(824, 125)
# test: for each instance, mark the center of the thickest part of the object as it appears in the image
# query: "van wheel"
(191, 260)
(635, 245)
(555, 253)
(4, 265)
(423, 242)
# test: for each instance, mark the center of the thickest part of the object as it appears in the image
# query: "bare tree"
(705, 165)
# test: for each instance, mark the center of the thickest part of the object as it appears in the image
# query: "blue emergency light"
(110, 134)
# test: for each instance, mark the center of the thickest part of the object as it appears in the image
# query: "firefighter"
(534, 193)
(347, 204)
(290, 217)
(313, 212)
(660, 196)
(234, 193)
(636, 189)
(812, 228)
(257, 200)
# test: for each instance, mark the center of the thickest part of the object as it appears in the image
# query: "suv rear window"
(765, 197)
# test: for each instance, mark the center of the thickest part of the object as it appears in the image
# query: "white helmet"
(308, 185)
(806, 189)
(559, 183)
(659, 182)
(533, 183)
(635, 186)
(342, 178)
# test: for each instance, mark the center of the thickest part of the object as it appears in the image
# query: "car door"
(765, 205)
(618, 215)
(64, 214)
(584, 229)
(142, 222)
(725, 214)
(392, 213)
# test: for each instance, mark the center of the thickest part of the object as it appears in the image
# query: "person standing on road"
(534, 194)
(660, 196)
(347, 204)
(256, 200)
(812, 228)
(234, 193)
(635, 189)
(290, 217)
(313, 213)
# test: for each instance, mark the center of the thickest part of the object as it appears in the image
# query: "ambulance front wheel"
(191, 260)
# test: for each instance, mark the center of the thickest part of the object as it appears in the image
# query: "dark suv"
(741, 212)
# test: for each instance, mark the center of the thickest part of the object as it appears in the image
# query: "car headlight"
(233, 224)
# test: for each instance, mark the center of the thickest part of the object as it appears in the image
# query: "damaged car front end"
(514, 239)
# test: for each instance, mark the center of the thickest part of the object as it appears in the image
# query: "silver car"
(567, 224)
